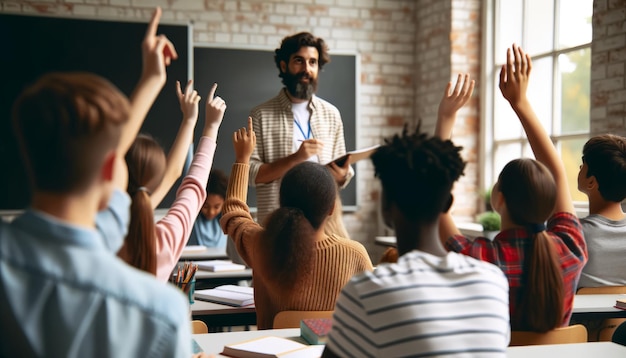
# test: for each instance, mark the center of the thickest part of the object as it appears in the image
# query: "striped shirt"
(273, 124)
(423, 306)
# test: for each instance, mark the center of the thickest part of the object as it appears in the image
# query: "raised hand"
(157, 51)
(309, 148)
(514, 76)
(451, 102)
(214, 113)
(244, 141)
(188, 101)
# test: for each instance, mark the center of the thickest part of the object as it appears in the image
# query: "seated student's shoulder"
(125, 286)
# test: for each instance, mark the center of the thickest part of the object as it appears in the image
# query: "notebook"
(356, 155)
(272, 347)
(219, 265)
(228, 294)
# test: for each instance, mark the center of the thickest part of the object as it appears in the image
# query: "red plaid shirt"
(507, 252)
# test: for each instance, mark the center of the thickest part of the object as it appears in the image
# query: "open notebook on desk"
(272, 347)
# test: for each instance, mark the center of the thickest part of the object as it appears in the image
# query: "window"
(557, 35)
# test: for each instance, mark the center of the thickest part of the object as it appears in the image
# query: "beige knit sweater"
(336, 260)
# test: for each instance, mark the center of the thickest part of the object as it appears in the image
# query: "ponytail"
(139, 249)
(540, 304)
(287, 246)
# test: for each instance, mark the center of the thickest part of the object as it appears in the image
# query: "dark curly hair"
(417, 172)
(291, 44)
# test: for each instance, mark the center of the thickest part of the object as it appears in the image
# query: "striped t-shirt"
(424, 306)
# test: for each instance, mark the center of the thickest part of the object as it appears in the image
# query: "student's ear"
(283, 66)
(448, 203)
(108, 167)
(591, 183)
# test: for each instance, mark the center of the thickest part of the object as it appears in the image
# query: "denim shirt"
(72, 297)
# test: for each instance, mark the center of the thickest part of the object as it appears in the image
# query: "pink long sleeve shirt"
(173, 230)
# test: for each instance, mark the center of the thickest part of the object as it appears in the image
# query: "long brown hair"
(307, 195)
(529, 192)
(146, 167)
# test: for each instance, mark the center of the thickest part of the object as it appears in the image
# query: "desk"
(572, 350)
(592, 307)
(194, 253)
(217, 315)
(214, 342)
(470, 230)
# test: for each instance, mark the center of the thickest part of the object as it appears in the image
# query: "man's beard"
(298, 89)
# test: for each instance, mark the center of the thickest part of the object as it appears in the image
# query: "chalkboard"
(34, 45)
(249, 77)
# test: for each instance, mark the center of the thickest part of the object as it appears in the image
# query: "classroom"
(399, 54)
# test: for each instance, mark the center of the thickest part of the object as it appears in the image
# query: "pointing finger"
(154, 23)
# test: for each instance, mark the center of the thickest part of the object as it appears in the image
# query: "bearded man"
(295, 126)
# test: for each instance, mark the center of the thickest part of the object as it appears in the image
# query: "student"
(296, 126)
(602, 178)
(431, 302)
(296, 266)
(541, 263)
(206, 229)
(156, 247)
(62, 293)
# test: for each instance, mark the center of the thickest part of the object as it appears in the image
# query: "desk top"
(198, 252)
(572, 350)
(214, 342)
(596, 303)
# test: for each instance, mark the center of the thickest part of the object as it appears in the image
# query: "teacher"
(295, 126)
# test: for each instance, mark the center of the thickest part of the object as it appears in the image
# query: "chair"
(291, 319)
(606, 328)
(198, 327)
(570, 334)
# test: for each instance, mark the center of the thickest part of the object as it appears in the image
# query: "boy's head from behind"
(216, 193)
(417, 173)
(604, 167)
(68, 126)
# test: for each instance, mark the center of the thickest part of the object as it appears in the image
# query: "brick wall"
(608, 62)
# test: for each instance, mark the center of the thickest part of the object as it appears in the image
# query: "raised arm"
(178, 153)
(451, 102)
(157, 53)
(514, 77)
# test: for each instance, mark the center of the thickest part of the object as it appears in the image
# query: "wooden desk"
(213, 343)
(572, 350)
(591, 307)
(216, 315)
(192, 253)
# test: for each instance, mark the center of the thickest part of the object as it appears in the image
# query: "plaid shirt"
(273, 125)
(508, 248)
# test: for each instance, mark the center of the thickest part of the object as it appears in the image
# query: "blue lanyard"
(306, 136)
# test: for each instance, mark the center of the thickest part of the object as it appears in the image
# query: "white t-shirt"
(301, 126)
(424, 305)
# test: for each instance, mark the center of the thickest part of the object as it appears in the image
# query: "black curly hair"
(417, 172)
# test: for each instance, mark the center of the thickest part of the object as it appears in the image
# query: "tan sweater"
(336, 260)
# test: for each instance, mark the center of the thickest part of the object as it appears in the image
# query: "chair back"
(619, 336)
(291, 319)
(570, 334)
(198, 327)
(601, 290)
(606, 328)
